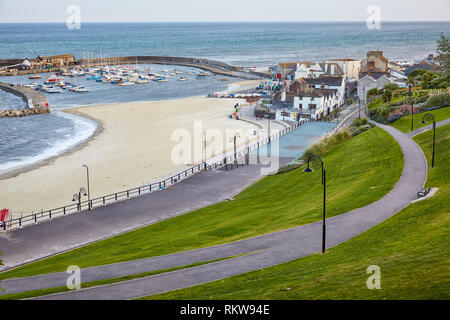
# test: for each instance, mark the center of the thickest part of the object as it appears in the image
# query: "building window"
(312, 106)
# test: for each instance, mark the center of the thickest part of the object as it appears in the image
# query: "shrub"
(357, 122)
(391, 86)
(375, 103)
(374, 92)
(326, 144)
(438, 100)
(387, 95)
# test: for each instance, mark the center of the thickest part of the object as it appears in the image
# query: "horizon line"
(225, 21)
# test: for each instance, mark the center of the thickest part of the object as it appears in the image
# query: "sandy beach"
(133, 147)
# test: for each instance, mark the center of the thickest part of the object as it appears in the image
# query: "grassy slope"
(404, 123)
(96, 283)
(359, 172)
(411, 249)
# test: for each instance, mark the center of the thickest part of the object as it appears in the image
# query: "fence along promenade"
(226, 161)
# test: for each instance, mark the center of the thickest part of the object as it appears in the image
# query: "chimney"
(283, 96)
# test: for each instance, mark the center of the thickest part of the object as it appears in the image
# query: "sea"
(24, 141)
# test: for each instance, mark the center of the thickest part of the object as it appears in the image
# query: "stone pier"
(37, 103)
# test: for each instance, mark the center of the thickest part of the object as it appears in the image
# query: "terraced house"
(301, 100)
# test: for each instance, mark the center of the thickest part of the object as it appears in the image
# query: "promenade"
(265, 251)
(262, 251)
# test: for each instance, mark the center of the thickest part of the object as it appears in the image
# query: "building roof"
(343, 60)
(288, 64)
(329, 81)
(374, 74)
(305, 92)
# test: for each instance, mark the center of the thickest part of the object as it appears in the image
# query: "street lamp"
(89, 191)
(412, 108)
(235, 153)
(268, 126)
(364, 94)
(77, 197)
(429, 115)
(359, 108)
(268, 117)
(316, 158)
(204, 147)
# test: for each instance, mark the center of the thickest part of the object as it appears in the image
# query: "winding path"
(271, 249)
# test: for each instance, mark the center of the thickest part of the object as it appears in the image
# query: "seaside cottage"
(350, 67)
(316, 70)
(297, 70)
(375, 73)
(375, 62)
(300, 101)
(334, 83)
(52, 61)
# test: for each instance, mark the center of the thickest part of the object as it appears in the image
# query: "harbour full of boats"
(116, 75)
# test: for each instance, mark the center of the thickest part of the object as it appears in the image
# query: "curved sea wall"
(36, 101)
(213, 66)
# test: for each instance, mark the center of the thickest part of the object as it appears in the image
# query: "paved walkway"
(275, 248)
(66, 233)
(78, 229)
(428, 127)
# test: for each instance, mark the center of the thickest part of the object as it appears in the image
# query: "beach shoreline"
(76, 111)
(130, 146)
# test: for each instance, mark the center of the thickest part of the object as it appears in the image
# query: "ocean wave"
(83, 129)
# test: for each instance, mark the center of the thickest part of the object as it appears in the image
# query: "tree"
(443, 51)
(387, 95)
(391, 86)
(373, 92)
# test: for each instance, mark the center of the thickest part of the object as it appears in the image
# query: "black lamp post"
(429, 115)
(412, 107)
(204, 148)
(268, 134)
(88, 190)
(359, 108)
(235, 153)
(308, 169)
(77, 197)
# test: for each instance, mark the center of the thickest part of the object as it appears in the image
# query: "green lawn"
(411, 248)
(359, 171)
(404, 124)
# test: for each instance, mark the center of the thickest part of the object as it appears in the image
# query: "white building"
(335, 83)
(350, 67)
(315, 70)
(300, 101)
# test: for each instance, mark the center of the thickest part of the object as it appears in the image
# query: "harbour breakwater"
(214, 66)
(36, 102)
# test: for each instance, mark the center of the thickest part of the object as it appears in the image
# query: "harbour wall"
(213, 66)
(36, 102)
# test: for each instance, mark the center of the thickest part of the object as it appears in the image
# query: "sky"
(222, 10)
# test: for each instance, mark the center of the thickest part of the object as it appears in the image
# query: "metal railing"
(225, 161)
